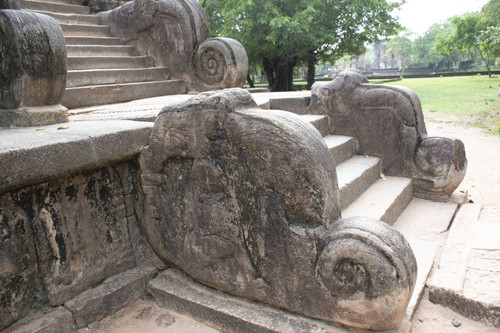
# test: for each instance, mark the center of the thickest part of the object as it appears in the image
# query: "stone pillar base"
(33, 116)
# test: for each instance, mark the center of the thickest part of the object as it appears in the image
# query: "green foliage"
(489, 42)
(491, 12)
(284, 32)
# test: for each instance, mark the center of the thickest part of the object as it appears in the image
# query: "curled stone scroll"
(246, 201)
(220, 63)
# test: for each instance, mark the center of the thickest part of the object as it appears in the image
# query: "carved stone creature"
(175, 33)
(32, 68)
(388, 123)
(246, 201)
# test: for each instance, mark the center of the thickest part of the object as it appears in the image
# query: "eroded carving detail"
(388, 123)
(175, 33)
(246, 201)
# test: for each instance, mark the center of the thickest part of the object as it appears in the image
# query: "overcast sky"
(418, 15)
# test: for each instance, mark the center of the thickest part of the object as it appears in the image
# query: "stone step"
(71, 30)
(116, 93)
(341, 147)
(71, 18)
(54, 7)
(385, 200)
(296, 102)
(89, 40)
(467, 277)
(101, 50)
(66, 2)
(75, 63)
(424, 224)
(292, 101)
(320, 122)
(355, 175)
(78, 78)
(112, 295)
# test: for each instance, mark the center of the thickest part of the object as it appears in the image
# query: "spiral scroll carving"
(221, 63)
(368, 265)
(212, 64)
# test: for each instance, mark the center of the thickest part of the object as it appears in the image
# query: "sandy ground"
(482, 183)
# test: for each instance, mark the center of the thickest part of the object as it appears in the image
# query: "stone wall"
(69, 206)
(64, 236)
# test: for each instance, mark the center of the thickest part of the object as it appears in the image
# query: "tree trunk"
(284, 74)
(250, 81)
(279, 73)
(269, 66)
(486, 62)
(311, 69)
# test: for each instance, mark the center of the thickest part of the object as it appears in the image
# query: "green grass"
(473, 99)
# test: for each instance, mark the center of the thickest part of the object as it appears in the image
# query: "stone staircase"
(363, 188)
(101, 68)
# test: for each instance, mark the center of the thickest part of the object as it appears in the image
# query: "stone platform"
(468, 285)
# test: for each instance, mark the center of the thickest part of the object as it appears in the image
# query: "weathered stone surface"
(81, 227)
(174, 290)
(221, 63)
(112, 295)
(246, 201)
(59, 320)
(18, 265)
(468, 274)
(388, 123)
(10, 4)
(174, 33)
(39, 154)
(97, 6)
(440, 165)
(33, 76)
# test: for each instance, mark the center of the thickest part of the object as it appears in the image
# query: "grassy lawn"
(471, 99)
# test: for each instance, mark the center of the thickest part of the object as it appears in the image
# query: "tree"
(489, 44)
(472, 32)
(279, 34)
(423, 50)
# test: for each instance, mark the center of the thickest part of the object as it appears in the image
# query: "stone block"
(81, 229)
(113, 294)
(82, 145)
(18, 258)
(34, 77)
(59, 320)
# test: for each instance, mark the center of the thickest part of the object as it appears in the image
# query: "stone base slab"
(175, 290)
(467, 279)
(33, 116)
(59, 320)
(112, 295)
